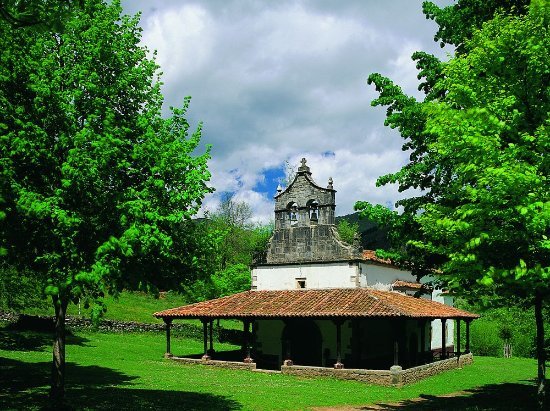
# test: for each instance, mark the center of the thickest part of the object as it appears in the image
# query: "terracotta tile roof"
(344, 302)
(370, 255)
(407, 284)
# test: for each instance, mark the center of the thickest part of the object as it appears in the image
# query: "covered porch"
(357, 329)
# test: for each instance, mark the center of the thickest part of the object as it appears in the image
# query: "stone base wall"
(396, 376)
(378, 377)
(415, 374)
(233, 365)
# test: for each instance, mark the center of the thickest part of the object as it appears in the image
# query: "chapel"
(320, 302)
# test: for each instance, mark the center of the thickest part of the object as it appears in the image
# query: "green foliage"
(41, 15)
(95, 182)
(477, 151)
(20, 290)
(349, 232)
(497, 325)
(478, 146)
(458, 22)
(233, 279)
(229, 244)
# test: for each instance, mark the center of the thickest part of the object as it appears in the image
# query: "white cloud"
(183, 39)
(281, 80)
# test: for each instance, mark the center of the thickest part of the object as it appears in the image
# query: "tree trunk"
(541, 355)
(57, 391)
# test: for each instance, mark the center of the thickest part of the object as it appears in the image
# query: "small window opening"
(300, 283)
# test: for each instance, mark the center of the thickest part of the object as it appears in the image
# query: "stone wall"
(415, 374)
(233, 365)
(44, 323)
(396, 376)
(308, 244)
(378, 377)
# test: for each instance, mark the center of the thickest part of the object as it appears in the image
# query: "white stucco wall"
(324, 275)
(327, 275)
(381, 277)
(436, 324)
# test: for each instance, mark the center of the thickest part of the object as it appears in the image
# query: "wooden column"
(205, 339)
(457, 337)
(211, 349)
(246, 344)
(338, 364)
(443, 343)
(168, 323)
(468, 336)
(423, 341)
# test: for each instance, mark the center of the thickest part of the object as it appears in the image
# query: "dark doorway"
(413, 350)
(302, 341)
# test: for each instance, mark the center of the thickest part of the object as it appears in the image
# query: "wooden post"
(211, 349)
(468, 336)
(246, 344)
(205, 339)
(423, 341)
(458, 337)
(168, 323)
(338, 364)
(443, 342)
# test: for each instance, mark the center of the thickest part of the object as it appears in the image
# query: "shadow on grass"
(18, 340)
(25, 386)
(507, 396)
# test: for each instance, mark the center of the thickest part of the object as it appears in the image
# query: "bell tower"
(305, 228)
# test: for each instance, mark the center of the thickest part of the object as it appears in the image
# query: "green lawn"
(128, 371)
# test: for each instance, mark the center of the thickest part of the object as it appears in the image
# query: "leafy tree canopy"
(478, 144)
(95, 183)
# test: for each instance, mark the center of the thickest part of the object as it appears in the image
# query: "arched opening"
(313, 210)
(302, 342)
(292, 213)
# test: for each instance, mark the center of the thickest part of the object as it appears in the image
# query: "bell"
(293, 217)
(314, 216)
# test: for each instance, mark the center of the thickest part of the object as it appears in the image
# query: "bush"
(496, 325)
(20, 290)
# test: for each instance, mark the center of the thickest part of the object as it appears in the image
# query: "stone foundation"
(396, 376)
(233, 365)
(415, 374)
(378, 377)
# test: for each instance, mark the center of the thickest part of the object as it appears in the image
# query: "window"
(300, 283)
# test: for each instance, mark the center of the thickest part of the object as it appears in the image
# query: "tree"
(478, 143)
(349, 232)
(95, 183)
(39, 14)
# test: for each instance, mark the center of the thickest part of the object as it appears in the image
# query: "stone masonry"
(305, 228)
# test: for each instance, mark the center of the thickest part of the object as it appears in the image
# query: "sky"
(275, 81)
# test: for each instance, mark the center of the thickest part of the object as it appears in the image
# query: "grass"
(127, 371)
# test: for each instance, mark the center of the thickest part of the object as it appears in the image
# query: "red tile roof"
(370, 255)
(407, 284)
(343, 302)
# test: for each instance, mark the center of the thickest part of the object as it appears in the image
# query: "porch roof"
(324, 303)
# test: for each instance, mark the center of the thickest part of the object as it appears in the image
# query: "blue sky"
(275, 81)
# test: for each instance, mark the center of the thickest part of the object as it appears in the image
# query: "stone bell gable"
(305, 228)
